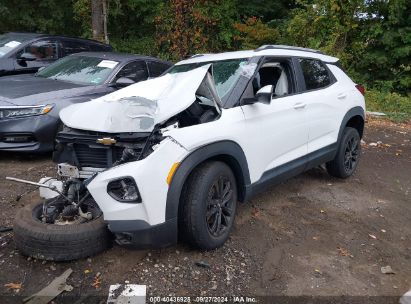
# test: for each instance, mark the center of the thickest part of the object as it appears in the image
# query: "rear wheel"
(348, 155)
(61, 241)
(209, 204)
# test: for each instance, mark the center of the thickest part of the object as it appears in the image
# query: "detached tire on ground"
(209, 201)
(58, 242)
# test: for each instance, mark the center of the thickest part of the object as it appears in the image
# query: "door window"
(274, 73)
(42, 49)
(315, 74)
(156, 68)
(136, 71)
(72, 47)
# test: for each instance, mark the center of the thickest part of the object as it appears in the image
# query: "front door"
(276, 133)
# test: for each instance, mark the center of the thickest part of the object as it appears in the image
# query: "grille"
(97, 157)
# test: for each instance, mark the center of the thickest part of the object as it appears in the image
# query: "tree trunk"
(97, 20)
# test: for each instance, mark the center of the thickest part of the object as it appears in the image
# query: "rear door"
(322, 100)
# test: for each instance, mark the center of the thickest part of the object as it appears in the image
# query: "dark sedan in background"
(30, 104)
(27, 52)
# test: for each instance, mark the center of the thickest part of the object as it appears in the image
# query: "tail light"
(360, 88)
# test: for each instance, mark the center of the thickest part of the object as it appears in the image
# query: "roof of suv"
(266, 50)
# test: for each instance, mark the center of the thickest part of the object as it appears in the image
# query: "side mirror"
(263, 95)
(27, 57)
(123, 82)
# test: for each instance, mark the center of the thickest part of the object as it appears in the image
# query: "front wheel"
(348, 155)
(209, 204)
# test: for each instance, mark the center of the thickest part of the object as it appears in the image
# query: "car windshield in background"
(80, 70)
(9, 42)
(225, 73)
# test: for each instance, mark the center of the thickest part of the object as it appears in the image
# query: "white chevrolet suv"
(172, 156)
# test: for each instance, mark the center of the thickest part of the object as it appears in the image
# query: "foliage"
(267, 11)
(46, 16)
(396, 106)
(372, 38)
(254, 33)
(186, 27)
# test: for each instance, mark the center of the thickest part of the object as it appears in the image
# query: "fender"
(228, 151)
(356, 111)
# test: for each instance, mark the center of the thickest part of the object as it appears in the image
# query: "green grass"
(396, 106)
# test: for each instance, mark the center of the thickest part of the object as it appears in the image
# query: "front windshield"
(80, 69)
(9, 42)
(225, 73)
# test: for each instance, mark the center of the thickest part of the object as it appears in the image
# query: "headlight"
(24, 111)
(124, 190)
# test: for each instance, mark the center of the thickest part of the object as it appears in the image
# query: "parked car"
(173, 155)
(30, 104)
(27, 52)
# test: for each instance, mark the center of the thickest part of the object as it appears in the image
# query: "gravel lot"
(310, 236)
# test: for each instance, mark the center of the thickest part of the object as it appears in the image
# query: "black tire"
(58, 242)
(201, 204)
(348, 155)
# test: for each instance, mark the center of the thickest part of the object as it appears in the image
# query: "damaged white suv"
(172, 156)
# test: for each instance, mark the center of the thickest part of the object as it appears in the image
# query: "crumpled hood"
(31, 90)
(138, 107)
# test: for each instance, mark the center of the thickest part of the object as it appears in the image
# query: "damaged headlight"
(24, 111)
(124, 190)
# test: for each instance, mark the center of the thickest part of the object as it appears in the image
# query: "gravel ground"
(312, 236)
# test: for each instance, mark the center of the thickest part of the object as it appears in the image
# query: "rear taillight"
(360, 88)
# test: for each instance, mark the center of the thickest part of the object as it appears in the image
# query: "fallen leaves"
(344, 252)
(255, 213)
(14, 286)
(97, 281)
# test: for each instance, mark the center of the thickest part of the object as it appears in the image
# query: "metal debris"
(48, 293)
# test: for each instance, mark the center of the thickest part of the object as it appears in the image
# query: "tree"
(99, 20)
(185, 27)
(254, 33)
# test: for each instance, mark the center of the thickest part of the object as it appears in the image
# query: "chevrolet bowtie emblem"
(107, 141)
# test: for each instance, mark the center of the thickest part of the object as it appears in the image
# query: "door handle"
(341, 96)
(299, 105)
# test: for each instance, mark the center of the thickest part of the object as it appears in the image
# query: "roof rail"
(196, 55)
(286, 47)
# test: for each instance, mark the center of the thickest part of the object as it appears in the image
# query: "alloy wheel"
(220, 209)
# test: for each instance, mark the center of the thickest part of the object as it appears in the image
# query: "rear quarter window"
(316, 75)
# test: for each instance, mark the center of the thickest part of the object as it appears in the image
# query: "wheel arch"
(228, 152)
(354, 118)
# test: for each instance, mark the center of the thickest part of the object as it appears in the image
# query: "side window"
(156, 68)
(42, 49)
(72, 47)
(315, 74)
(274, 73)
(98, 47)
(136, 71)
